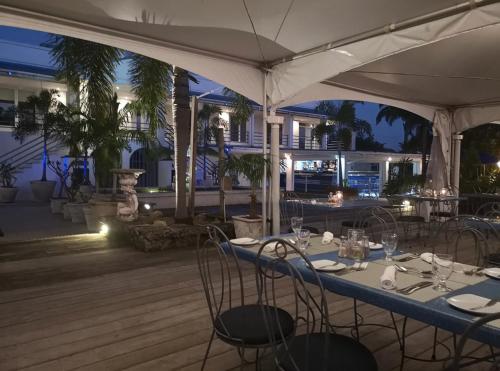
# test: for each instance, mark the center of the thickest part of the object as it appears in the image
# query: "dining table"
(426, 305)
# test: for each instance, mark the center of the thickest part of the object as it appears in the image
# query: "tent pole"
(275, 172)
(457, 141)
(264, 153)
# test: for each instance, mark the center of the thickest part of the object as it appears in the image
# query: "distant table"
(436, 202)
(426, 305)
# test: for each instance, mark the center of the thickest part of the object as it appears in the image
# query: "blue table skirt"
(436, 312)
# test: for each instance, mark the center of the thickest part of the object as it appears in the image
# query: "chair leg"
(257, 360)
(434, 344)
(208, 350)
(403, 345)
(356, 324)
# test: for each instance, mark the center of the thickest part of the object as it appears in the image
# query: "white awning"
(419, 55)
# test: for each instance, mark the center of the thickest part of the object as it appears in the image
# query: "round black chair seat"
(245, 325)
(343, 354)
(309, 228)
(442, 214)
(411, 219)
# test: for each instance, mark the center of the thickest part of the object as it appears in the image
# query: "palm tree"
(340, 121)
(41, 113)
(182, 117)
(213, 128)
(414, 126)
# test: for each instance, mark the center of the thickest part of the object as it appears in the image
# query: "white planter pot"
(7, 194)
(246, 227)
(90, 218)
(42, 190)
(76, 212)
(57, 204)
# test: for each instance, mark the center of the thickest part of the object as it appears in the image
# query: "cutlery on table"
(332, 264)
(415, 287)
(478, 271)
(423, 274)
(490, 303)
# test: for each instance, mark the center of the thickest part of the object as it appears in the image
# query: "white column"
(417, 167)
(251, 129)
(264, 153)
(381, 176)
(290, 172)
(275, 121)
(457, 141)
(291, 135)
(324, 141)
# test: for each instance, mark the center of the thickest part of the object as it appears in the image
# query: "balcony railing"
(299, 143)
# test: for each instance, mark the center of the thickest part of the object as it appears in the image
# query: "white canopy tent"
(435, 58)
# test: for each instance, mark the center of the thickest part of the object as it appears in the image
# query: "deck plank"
(77, 304)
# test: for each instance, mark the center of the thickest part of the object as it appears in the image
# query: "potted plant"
(40, 113)
(7, 190)
(251, 166)
(62, 172)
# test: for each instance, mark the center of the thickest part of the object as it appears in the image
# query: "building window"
(237, 130)
(7, 107)
(140, 160)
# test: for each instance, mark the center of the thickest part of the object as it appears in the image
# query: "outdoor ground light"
(498, 164)
(104, 229)
(147, 206)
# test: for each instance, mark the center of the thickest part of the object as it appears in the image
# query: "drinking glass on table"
(303, 237)
(442, 267)
(296, 224)
(390, 242)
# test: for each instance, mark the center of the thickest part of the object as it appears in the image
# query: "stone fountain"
(127, 211)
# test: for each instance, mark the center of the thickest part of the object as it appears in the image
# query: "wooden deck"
(76, 303)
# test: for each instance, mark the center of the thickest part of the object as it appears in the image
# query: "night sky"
(33, 54)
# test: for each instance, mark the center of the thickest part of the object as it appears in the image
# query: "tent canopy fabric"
(420, 55)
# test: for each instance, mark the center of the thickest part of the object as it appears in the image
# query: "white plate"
(376, 246)
(426, 257)
(244, 241)
(492, 272)
(327, 265)
(468, 302)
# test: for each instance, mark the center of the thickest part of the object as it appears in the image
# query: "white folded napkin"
(375, 246)
(327, 238)
(388, 278)
(426, 257)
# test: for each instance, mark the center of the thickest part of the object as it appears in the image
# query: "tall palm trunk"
(182, 116)
(44, 159)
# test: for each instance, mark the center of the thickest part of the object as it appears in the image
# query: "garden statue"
(129, 210)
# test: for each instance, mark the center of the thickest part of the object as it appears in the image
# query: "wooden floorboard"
(77, 303)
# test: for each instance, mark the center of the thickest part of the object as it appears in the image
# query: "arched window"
(140, 160)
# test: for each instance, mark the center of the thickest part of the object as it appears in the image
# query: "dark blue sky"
(390, 136)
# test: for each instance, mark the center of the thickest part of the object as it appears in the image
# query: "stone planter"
(246, 227)
(66, 211)
(57, 204)
(90, 218)
(42, 190)
(7, 194)
(76, 212)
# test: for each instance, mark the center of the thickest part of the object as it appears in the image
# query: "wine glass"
(296, 224)
(442, 267)
(390, 242)
(303, 237)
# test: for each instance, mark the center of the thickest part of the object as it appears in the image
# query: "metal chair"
(314, 346)
(489, 210)
(290, 207)
(494, 356)
(377, 220)
(233, 321)
(409, 217)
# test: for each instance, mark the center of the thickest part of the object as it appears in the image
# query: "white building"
(310, 165)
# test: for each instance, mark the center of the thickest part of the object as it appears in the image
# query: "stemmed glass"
(296, 224)
(442, 267)
(303, 237)
(390, 242)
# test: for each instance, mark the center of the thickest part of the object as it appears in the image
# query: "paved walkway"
(29, 220)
